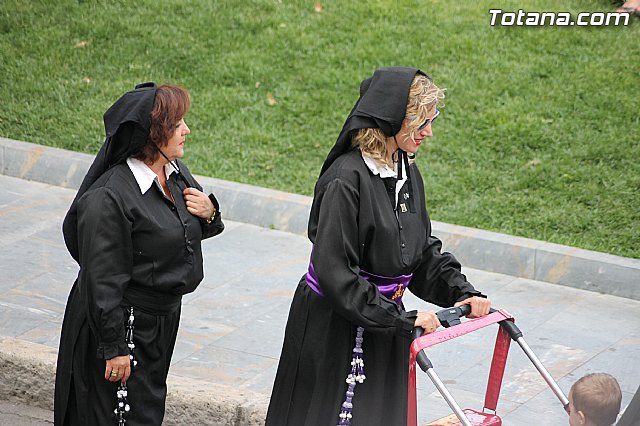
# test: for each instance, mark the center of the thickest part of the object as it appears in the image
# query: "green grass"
(539, 137)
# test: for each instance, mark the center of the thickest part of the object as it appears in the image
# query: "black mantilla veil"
(127, 123)
(382, 104)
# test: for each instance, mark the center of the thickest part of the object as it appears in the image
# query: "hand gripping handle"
(448, 317)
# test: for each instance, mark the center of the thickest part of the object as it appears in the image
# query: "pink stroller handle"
(443, 335)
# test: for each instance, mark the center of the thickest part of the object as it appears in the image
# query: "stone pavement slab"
(484, 250)
(22, 415)
(232, 326)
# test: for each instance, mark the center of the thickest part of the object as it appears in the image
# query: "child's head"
(594, 400)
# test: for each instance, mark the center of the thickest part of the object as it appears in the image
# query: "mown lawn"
(539, 137)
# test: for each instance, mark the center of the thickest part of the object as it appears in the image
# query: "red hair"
(170, 106)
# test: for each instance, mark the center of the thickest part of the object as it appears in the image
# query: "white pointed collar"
(144, 175)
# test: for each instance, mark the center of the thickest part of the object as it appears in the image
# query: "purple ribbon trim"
(390, 287)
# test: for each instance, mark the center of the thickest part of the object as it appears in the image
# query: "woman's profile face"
(403, 137)
(175, 145)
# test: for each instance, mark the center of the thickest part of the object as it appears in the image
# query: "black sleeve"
(336, 261)
(216, 226)
(106, 259)
(439, 279)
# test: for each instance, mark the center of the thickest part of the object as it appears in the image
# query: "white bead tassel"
(355, 376)
(122, 410)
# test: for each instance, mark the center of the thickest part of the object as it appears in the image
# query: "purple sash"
(390, 287)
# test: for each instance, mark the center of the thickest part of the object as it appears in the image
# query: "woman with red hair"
(135, 229)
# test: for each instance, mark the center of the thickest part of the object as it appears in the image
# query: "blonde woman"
(346, 348)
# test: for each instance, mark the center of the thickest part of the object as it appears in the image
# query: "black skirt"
(310, 383)
(84, 397)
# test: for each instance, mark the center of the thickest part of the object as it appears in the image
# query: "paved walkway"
(232, 326)
(12, 414)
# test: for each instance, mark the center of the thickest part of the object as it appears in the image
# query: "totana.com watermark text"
(558, 19)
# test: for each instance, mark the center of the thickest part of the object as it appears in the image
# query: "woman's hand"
(198, 203)
(479, 306)
(428, 321)
(118, 369)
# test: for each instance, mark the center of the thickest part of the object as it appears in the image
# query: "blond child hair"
(594, 400)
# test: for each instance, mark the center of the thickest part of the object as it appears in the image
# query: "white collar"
(385, 172)
(144, 175)
(376, 168)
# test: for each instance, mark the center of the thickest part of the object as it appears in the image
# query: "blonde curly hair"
(424, 95)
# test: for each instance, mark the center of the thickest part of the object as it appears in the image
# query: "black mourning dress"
(134, 250)
(354, 227)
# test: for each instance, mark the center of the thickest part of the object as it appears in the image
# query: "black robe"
(353, 226)
(134, 250)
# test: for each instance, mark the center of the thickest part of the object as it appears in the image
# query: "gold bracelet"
(213, 216)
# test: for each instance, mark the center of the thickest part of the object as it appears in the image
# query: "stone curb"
(489, 251)
(28, 377)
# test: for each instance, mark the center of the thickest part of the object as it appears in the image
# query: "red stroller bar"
(450, 319)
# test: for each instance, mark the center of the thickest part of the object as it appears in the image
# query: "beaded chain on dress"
(355, 376)
(129, 339)
(123, 409)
